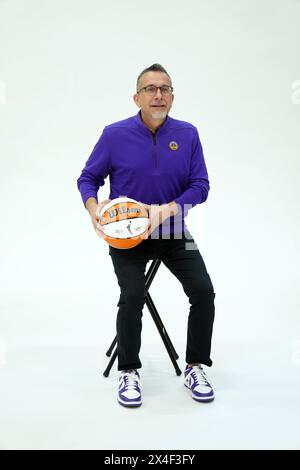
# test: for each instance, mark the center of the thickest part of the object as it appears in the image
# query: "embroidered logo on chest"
(173, 145)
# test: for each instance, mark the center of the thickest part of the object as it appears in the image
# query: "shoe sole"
(129, 405)
(203, 399)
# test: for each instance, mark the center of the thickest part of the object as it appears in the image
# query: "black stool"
(157, 320)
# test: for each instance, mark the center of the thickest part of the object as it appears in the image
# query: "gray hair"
(152, 68)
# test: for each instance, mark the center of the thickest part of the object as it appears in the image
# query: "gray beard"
(159, 114)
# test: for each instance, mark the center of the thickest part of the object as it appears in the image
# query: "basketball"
(124, 221)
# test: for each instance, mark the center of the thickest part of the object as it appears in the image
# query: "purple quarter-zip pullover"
(151, 168)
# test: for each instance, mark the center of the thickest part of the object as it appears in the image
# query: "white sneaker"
(196, 380)
(129, 392)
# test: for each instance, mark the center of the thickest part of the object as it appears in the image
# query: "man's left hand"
(157, 215)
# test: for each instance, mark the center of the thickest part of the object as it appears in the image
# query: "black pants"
(183, 259)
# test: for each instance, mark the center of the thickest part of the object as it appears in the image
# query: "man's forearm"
(170, 209)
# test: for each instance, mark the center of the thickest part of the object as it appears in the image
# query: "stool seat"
(149, 276)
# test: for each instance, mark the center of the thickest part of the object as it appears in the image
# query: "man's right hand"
(94, 210)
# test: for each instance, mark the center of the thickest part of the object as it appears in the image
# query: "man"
(158, 161)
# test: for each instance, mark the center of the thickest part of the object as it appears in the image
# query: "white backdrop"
(67, 69)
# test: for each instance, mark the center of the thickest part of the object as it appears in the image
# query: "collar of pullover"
(140, 123)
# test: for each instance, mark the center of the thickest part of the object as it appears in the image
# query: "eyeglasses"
(152, 89)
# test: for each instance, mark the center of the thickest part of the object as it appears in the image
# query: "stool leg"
(151, 273)
(110, 349)
(163, 330)
(149, 278)
(110, 364)
(166, 340)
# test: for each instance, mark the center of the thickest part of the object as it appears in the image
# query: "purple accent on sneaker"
(129, 393)
(196, 380)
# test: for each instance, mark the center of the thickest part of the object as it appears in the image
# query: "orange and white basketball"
(124, 221)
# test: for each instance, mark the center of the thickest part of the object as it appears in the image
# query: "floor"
(57, 398)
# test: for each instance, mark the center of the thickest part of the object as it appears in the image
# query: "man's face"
(158, 105)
